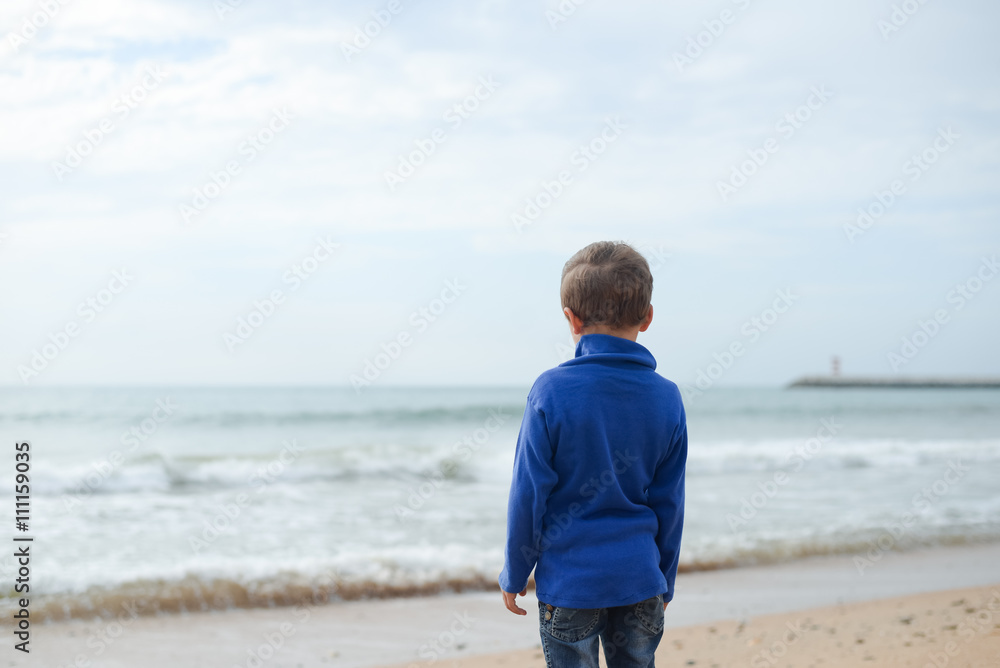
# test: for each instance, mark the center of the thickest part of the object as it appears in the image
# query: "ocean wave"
(157, 472)
(237, 418)
(792, 454)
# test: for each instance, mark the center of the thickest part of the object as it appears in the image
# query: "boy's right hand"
(510, 600)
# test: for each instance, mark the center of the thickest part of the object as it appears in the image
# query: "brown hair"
(607, 283)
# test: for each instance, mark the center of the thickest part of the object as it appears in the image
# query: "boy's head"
(606, 287)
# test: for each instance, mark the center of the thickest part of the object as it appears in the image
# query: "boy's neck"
(578, 330)
(630, 333)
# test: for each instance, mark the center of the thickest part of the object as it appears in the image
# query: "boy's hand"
(510, 600)
(665, 604)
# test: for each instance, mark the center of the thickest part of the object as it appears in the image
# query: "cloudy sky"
(171, 169)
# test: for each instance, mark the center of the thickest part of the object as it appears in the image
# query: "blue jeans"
(629, 633)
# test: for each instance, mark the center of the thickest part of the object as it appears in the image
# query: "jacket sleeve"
(666, 497)
(533, 479)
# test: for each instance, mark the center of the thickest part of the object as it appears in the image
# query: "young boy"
(597, 499)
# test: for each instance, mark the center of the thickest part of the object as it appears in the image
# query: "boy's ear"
(575, 323)
(649, 318)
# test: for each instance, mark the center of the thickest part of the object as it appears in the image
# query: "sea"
(170, 500)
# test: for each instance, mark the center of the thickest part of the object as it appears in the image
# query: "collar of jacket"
(611, 349)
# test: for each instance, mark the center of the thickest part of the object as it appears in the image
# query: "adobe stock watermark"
(786, 127)
(914, 168)
(562, 12)
(274, 640)
(454, 116)
(592, 489)
(656, 256)
(420, 320)
(751, 330)
(131, 439)
(121, 108)
(248, 150)
(926, 330)
(264, 308)
(436, 647)
(775, 652)
(225, 7)
(581, 159)
(59, 340)
(703, 40)
(229, 513)
(364, 34)
(108, 634)
(461, 451)
(767, 490)
(981, 622)
(921, 502)
(31, 24)
(899, 17)
(101, 638)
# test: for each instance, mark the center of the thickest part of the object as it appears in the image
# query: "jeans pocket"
(650, 614)
(573, 624)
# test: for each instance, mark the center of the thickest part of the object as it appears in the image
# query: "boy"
(597, 499)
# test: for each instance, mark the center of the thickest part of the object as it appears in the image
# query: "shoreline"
(369, 633)
(191, 595)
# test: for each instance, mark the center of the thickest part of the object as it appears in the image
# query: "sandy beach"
(905, 610)
(959, 627)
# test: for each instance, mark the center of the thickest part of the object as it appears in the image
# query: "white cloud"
(656, 184)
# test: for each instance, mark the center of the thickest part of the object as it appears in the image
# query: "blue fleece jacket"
(597, 500)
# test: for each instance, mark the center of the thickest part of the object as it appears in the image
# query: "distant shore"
(895, 382)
